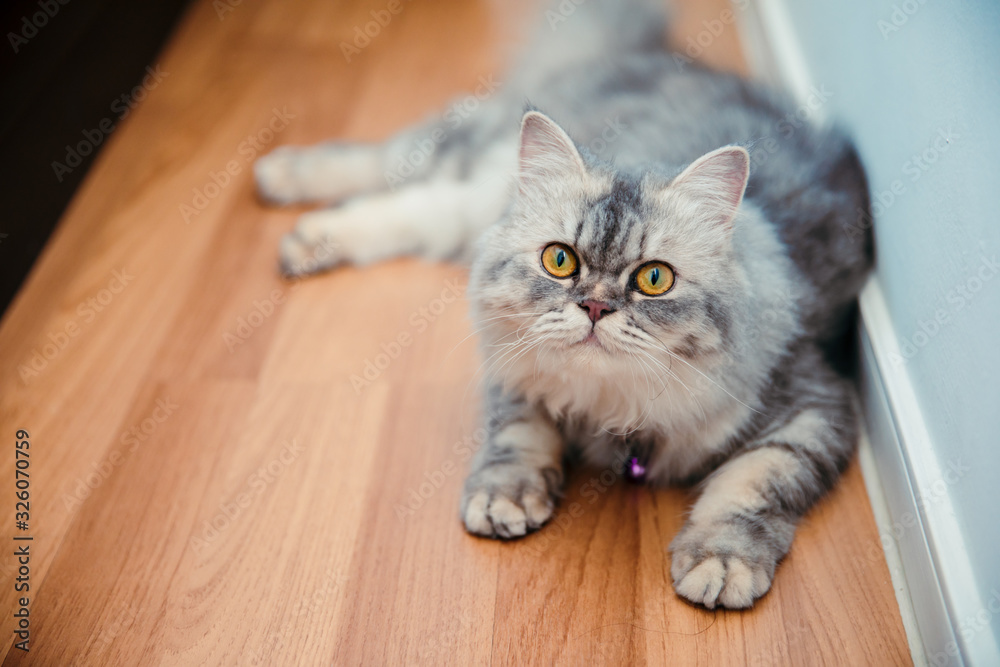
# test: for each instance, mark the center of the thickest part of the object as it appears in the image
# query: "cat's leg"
(744, 521)
(327, 172)
(333, 171)
(516, 476)
(434, 218)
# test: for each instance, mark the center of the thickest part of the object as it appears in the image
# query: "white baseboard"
(893, 559)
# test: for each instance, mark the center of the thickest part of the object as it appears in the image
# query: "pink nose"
(596, 309)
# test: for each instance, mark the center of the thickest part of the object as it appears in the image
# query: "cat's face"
(608, 269)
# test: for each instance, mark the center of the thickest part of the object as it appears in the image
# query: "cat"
(665, 278)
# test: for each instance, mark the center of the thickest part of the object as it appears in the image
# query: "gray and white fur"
(727, 378)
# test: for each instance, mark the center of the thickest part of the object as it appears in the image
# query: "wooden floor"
(207, 486)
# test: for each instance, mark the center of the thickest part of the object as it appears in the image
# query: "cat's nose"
(596, 309)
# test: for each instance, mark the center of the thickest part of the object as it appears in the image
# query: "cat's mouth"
(591, 340)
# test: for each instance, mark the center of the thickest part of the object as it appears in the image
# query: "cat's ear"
(546, 153)
(715, 183)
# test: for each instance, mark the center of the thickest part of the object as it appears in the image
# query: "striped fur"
(728, 378)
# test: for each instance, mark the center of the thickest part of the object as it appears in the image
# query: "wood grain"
(200, 501)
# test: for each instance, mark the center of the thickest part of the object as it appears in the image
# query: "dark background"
(58, 84)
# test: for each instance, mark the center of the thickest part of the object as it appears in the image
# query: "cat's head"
(601, 267)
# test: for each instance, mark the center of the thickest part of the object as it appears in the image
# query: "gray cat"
(665, 280)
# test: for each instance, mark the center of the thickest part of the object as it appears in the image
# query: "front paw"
(316, 244)
(299, 256)
(508, 501)
(276, 176)
(723, 564)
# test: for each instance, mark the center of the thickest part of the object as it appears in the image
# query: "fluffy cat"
(667, 277)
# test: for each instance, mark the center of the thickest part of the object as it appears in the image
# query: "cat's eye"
(559, 260)
(654, 278)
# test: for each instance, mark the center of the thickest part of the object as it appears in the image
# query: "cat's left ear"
(715, 184)
(547, 154)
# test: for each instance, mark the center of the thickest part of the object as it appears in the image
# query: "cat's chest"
(681, 421)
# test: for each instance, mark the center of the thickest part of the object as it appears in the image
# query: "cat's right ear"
(715, 184)
(547, 154)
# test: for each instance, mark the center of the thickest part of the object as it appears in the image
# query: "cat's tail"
(578, 31)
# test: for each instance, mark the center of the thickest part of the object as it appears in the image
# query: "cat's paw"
(508, 501)
(312, 246)
(277, 180)
(300, 257)
(721, 565)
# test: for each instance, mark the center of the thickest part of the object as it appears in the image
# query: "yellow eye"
(559, 260)
(654, 278)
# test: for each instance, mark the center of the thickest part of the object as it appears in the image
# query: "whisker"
(486, 326)
(699, 372)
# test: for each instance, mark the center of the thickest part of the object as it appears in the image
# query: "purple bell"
(635, 471)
